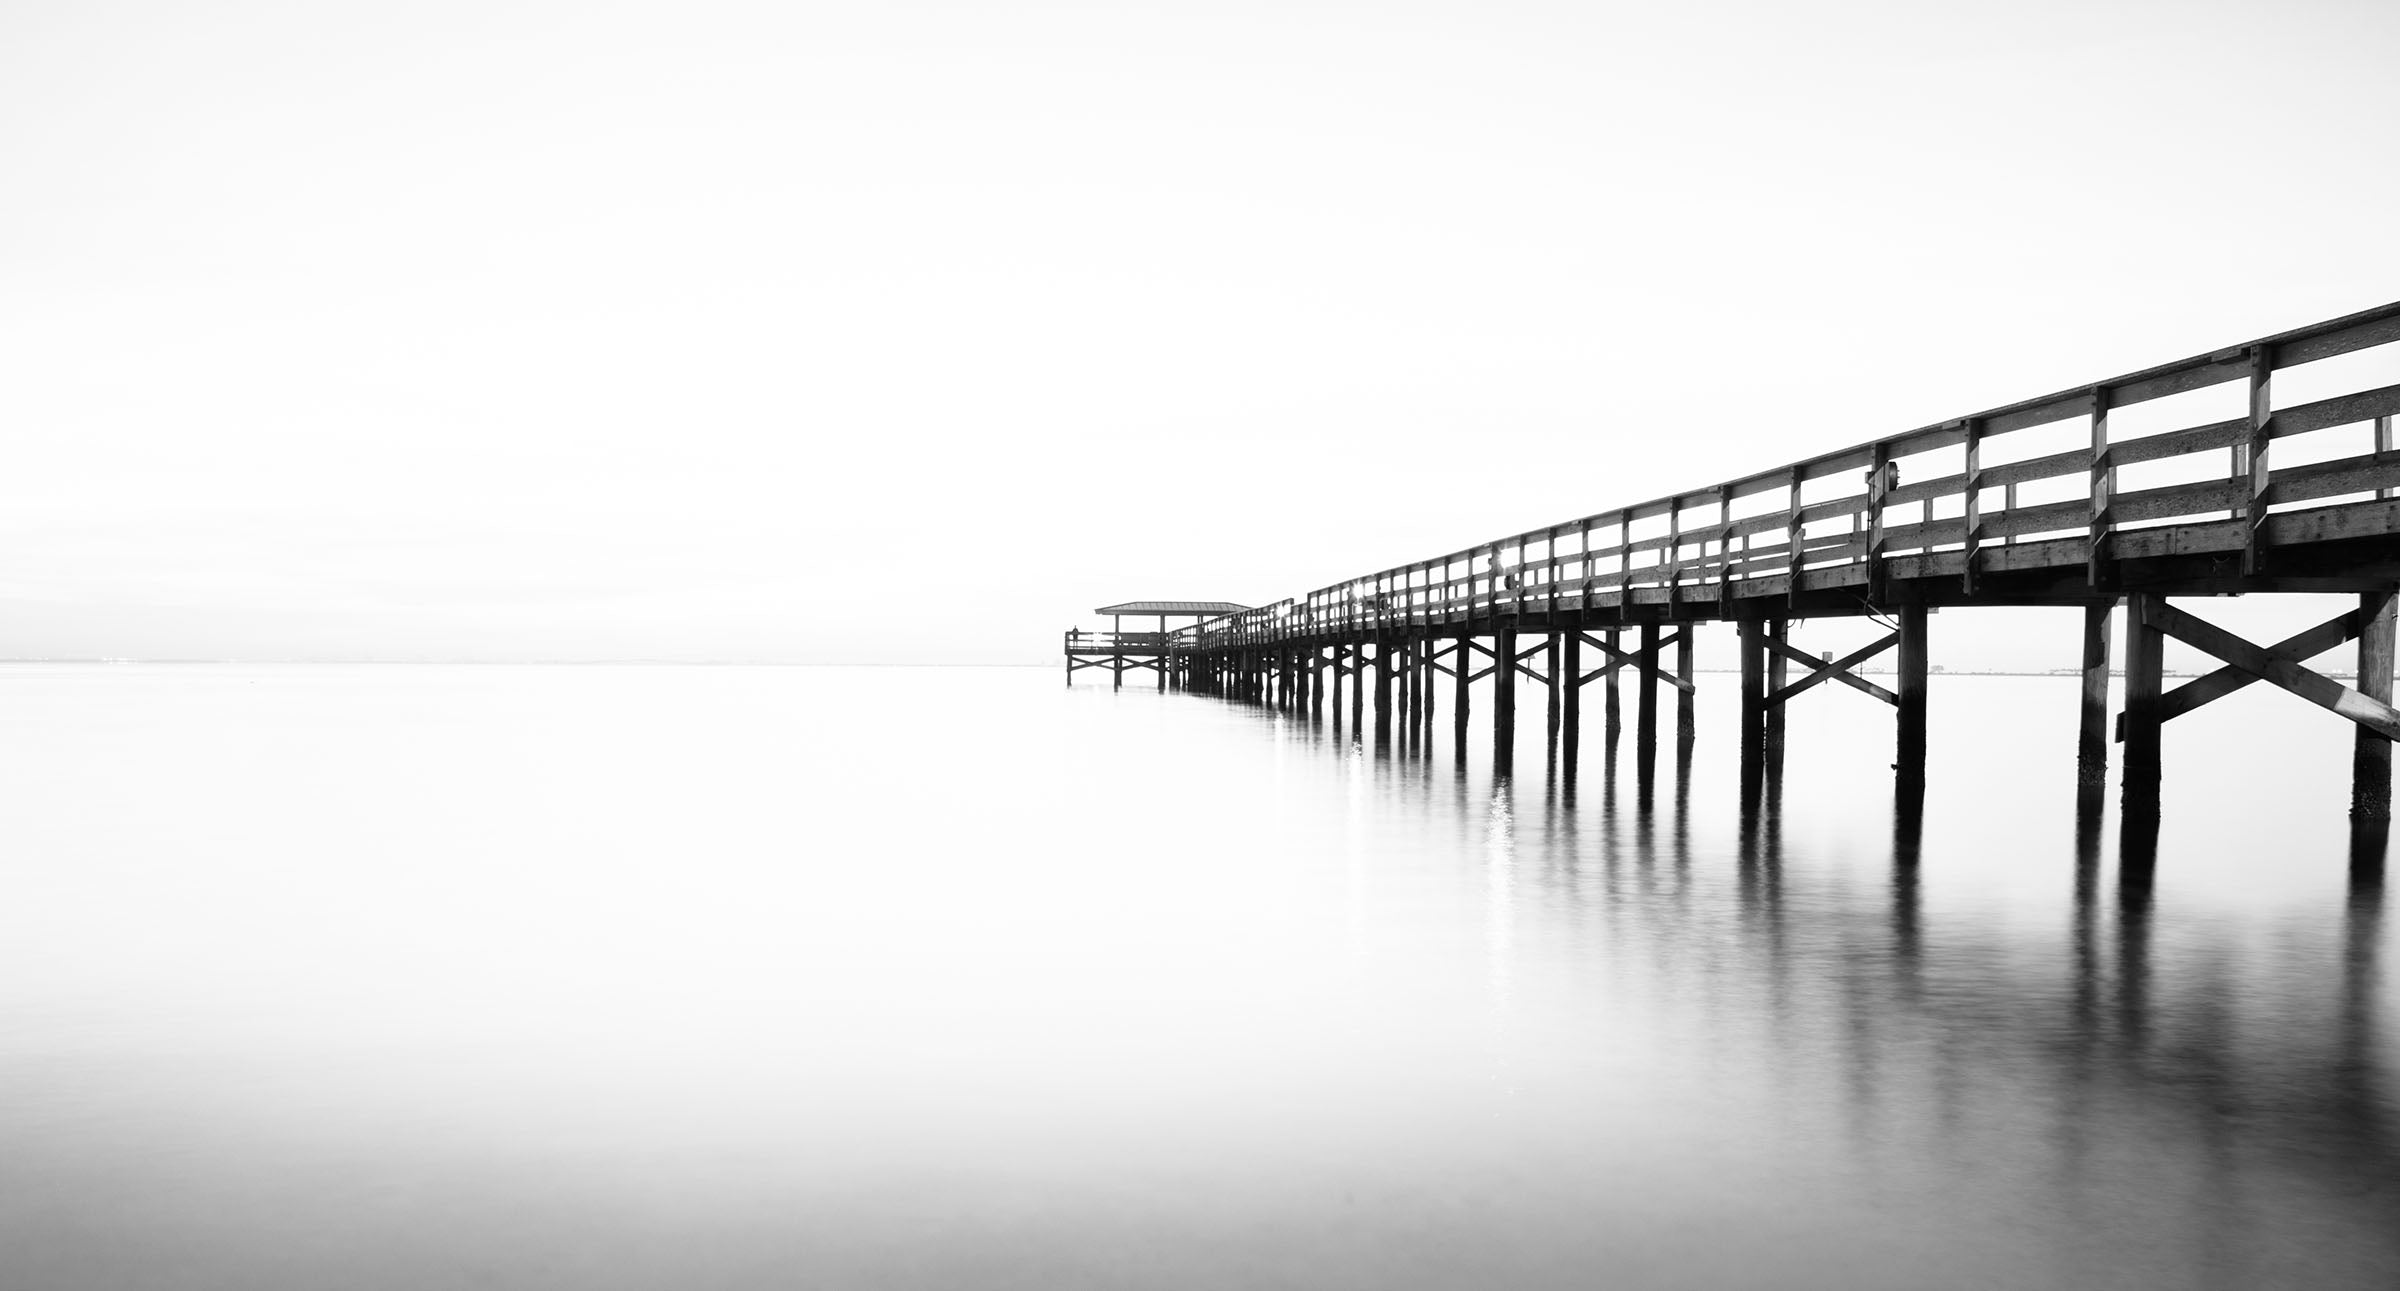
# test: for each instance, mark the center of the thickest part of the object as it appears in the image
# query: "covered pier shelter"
(1118, 650)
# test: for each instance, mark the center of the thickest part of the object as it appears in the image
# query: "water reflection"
(2260, 1088)
(712, 977)
(2136, 1055)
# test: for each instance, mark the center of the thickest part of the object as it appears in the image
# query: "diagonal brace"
(1633, 659)
(2315, 687)
(2224, 681)
(1838, 670)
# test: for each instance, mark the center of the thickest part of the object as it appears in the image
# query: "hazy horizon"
(910, 333)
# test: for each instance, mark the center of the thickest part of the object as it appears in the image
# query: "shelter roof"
(1206, 609)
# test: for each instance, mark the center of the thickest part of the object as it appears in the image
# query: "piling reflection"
(2210, 1045)
(2111, 1029)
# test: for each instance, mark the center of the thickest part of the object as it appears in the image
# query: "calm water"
(644, 977)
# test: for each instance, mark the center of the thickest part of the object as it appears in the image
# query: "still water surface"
(723, 977)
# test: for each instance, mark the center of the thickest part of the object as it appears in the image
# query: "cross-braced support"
(1565, 664)
(1116, 666)
(2148, 708)
(1766, 650)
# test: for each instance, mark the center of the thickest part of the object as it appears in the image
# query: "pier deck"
(2248, 496)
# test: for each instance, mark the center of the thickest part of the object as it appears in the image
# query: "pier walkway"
(2188, 479)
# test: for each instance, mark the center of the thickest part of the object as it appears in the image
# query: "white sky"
(912, 331)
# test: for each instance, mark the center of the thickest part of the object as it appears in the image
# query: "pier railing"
(1110, 642)
(1846, 519)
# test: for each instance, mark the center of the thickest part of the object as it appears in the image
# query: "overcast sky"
(908, 330)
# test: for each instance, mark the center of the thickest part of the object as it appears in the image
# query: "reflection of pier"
(2250, 496)
(2282, 1043)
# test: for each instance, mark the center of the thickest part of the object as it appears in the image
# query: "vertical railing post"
(1674, 553)
(1972, 561)
(2262, 430)
(1624, 565)
(1877, 474)
(1550, 563)
(2383, 447)
(2103, 492)
(1523, 575)
(1583, 586)
(1724, 549)
(1794, 538)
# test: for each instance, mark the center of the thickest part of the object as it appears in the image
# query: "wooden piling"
(1612, 720)
(1778, 671)
(1685, 729)
(1570, 720)
(1383, 687)
(2145, 659)
(1913, 667)
(2091, 743)
(1421, 716)
(1754, 693)
(1645, 730)
(1550, 653)
(1413, 716)
(1504, 700)
(2371, 756)
(1462, 669)
(1358, 687)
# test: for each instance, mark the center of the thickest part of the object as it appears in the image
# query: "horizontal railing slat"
(1584, 562)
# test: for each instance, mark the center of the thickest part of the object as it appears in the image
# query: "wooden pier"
(2268, 497)
(1120, 651)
